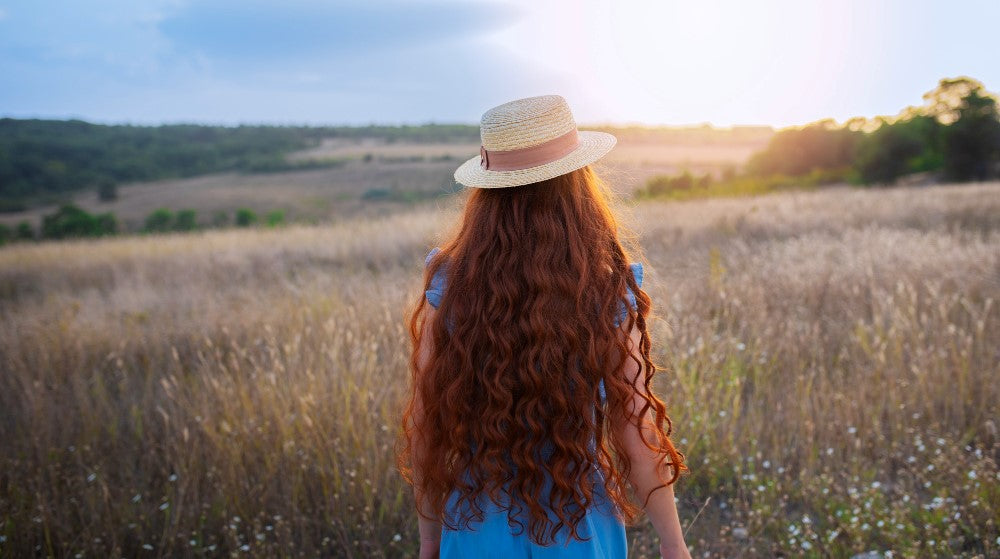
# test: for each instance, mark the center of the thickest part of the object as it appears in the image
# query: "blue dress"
(494, 537)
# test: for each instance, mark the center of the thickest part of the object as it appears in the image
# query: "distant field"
(395, 176)
(830, 359)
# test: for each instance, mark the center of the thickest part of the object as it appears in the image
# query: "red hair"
(523, 336)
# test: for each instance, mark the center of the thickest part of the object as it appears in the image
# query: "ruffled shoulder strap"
(636, 268)
(435, 291)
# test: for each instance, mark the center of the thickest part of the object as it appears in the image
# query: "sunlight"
(650, 61)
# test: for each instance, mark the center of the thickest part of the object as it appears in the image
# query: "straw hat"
(531, 140)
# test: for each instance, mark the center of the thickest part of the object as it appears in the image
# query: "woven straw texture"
(525, 123)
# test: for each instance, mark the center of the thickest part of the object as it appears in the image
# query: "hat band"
(525, 158)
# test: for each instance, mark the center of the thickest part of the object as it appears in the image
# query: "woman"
(531, 408)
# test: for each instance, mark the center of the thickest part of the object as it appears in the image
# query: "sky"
(659, 62)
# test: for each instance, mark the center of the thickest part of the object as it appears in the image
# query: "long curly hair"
(509, 398)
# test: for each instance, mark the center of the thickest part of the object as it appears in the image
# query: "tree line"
(41, 161)
(71, 221)
(953, 137)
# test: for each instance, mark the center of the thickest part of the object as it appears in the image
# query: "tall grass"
(831, 365)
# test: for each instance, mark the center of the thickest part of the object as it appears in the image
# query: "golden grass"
(832, 377)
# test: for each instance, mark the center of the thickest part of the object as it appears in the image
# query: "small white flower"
(192, 543)
(172, 478)
(397, 538)
(766, 464)
(245, 547)
(91, 477)
(852, 429)
(164, 506)
(876, 484)
(147, 547)
(137, 498)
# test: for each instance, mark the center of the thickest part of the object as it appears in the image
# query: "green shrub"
(275, 218)
(24, 232)
(159, 221)
(245, 217)
(107, 190)
(71, 221)
(5, 234)
(186, 220)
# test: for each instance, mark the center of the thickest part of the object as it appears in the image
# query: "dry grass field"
(831, 364)
(376, 178)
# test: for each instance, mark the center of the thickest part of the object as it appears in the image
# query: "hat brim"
(593, 146)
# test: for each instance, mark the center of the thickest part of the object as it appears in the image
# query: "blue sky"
(777, 62)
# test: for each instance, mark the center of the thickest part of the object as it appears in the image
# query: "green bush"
(275, 218)
(186, 220)
(71, 221)
(24, 232)
(245, 217)
(5, 234)
(159, 221)
(107, 190)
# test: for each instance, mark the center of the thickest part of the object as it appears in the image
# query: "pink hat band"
(525, 158)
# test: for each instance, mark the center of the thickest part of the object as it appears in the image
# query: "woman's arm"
(430, 530)
(648, 466)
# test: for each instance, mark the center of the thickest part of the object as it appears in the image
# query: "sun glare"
(678, 62)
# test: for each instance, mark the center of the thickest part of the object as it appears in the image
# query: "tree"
(107, 190)
(818, 146)
(972, 143)
(899, 148)
(186, 221)
(24, 232)
(71, 221)
(159, 220)
(275, 218)
(245, 217)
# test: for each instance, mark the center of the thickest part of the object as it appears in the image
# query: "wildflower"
(172, 478)
(91, 477)
(876, 484)
(137, 498)
(766, 464)
(397, 537)
(852, 429)
(972, 474)
(245, 547)
(164, 506)
(147, 547)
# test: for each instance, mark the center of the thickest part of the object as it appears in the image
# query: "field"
(831, 362)
(371, 177)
